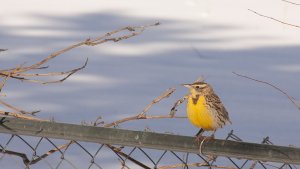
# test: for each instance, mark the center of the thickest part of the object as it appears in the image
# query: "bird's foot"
(201, 138)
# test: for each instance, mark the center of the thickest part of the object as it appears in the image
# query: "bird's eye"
(197, 87)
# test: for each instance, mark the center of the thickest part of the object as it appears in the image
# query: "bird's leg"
(200, 132)
(199, 136)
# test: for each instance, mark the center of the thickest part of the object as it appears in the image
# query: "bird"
(205, 109)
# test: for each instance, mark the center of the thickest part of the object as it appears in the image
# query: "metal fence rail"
(231, 147)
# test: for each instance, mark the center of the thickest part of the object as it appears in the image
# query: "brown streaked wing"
(216, 104)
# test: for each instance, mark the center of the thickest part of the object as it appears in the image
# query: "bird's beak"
(186, 85)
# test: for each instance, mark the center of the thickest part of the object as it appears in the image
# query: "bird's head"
(197, 87)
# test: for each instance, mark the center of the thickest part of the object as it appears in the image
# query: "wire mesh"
(18, 151)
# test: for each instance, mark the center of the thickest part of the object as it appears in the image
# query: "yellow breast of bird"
(199, 114)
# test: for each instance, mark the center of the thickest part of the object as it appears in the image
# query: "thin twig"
(290, 2)
(26, 160)
(18, 154)
(118, 151)
(176, 104)
(50, 152)
(67, 74)
(194, 165)
(6, 77)
(3, 82)
(164, 95)
(123, 164)
(182, 165)
(133, 31)
(252, 166)
(269, 84)
(277, 20)
(51, 73)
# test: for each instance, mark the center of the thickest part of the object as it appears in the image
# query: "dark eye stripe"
(199, 86)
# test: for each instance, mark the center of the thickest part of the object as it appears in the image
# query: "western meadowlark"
(205, 109)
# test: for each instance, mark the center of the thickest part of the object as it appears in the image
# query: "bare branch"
(143, 115)
(20, 76)
(18, 115)
(275, 87)
(19, 72)
(137, 117)
(277, 20)
(17, 109)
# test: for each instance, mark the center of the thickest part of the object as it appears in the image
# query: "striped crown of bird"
(205, 109)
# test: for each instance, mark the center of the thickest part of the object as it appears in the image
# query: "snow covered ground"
(207, 38)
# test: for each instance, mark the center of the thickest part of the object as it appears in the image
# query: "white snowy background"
(207, 38)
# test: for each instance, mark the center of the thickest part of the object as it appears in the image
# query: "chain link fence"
(21, 151)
